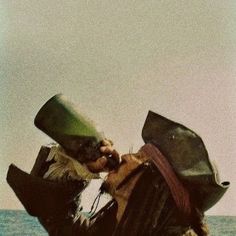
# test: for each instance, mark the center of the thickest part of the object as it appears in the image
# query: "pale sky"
(117, 60)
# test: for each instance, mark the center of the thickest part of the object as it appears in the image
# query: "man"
(142, 203)
(163, 189)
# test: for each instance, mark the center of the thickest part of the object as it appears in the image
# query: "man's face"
(128, 163)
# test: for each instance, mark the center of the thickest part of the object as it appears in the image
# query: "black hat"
(188, 156)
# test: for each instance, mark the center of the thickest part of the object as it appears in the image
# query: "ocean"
(19, 223)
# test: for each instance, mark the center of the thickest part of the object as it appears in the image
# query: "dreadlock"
(143, 211)
(151, 210)
(197, 223)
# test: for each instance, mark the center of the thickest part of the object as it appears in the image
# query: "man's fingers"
(106, 149)
(116, 155)
(98, 165)
(107, 142)
(109, 151)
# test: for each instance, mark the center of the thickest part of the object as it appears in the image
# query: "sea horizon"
(19, 209)
(17, 222)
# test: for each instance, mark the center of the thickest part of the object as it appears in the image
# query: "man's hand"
(107, 150)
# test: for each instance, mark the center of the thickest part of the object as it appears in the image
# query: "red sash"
(179, 193)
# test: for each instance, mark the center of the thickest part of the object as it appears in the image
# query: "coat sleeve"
(64, 217)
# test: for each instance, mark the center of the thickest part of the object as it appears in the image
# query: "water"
(19, 223)
(222, 225)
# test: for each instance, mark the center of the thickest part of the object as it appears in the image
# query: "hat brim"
(42, 197)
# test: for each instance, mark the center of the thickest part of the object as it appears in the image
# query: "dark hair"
(151, 210)
(197, 222)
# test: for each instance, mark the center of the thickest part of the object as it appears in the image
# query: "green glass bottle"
(60, 120)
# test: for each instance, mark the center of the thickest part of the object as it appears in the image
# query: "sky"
(117, 60)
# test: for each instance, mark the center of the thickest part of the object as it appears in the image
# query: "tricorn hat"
(39, 196)
(188, 156)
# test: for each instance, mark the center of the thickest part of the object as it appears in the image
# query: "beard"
(106, 187)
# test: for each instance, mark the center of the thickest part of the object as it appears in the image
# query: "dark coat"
(103, 223)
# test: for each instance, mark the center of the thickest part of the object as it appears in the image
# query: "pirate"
(163, 189)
